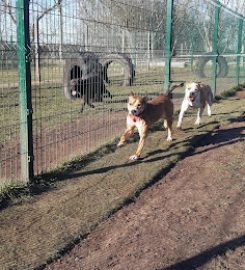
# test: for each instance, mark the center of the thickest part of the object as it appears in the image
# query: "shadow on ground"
(202, 258)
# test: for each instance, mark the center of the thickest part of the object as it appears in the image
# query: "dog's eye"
(130, 104)
(139, 105)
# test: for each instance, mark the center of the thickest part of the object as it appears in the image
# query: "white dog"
(197, 95)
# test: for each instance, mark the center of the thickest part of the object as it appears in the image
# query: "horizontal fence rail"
(66, 68)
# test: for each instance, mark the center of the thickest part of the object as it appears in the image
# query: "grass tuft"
(229, 93)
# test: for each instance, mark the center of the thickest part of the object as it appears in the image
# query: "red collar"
(135, 118)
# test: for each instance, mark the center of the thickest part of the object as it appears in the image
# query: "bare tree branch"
(8, 6)
(57, 3)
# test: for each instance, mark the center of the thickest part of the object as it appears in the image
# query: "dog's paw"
(134, 157)
(179, 124)
(120, 144)
(169, 139)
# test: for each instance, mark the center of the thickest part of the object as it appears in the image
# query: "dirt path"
(192, 219)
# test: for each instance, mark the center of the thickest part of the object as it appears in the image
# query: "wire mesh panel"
(196, 47)
(192, 43)
(227, 49)
(9, 97)
(85, 62)
(242, 59)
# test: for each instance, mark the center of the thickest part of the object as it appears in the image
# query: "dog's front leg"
(129, 131)
(209, 104)
(184, 107)
(82, 105)
(143, 135)
(169, 129)
(199, 115)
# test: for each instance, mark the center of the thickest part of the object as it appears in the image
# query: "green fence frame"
(239, 47)
(167, 44)
(24, 72)
(25, 98)
(215, 53)
(215, 46)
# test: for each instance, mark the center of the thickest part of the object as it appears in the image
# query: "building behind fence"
(55, 51)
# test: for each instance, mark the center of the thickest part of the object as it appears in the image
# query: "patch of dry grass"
(37, 229)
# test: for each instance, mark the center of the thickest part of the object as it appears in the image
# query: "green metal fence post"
(215, 46)
(193, 44)
(24, 72)
(134, 49)
(167, 45)
(239, 47)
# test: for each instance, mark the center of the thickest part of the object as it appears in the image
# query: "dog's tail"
(171, 89)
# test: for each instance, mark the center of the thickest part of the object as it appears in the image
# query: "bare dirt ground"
(192, 219)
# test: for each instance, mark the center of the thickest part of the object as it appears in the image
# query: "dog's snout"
(134, 112)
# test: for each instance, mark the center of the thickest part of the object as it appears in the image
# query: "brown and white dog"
(197, 95)
(142, 114)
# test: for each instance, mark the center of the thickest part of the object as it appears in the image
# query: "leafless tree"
(35, 37)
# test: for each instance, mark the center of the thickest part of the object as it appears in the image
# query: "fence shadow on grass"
(152, 156)
(127, 163)
(222, 137)
(47, 182)
(205, 256)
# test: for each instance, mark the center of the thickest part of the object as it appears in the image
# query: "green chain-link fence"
(55, 51)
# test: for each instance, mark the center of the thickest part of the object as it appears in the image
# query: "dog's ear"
(183, 84)
(145, 99)
(198, 84)
(131, 94)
